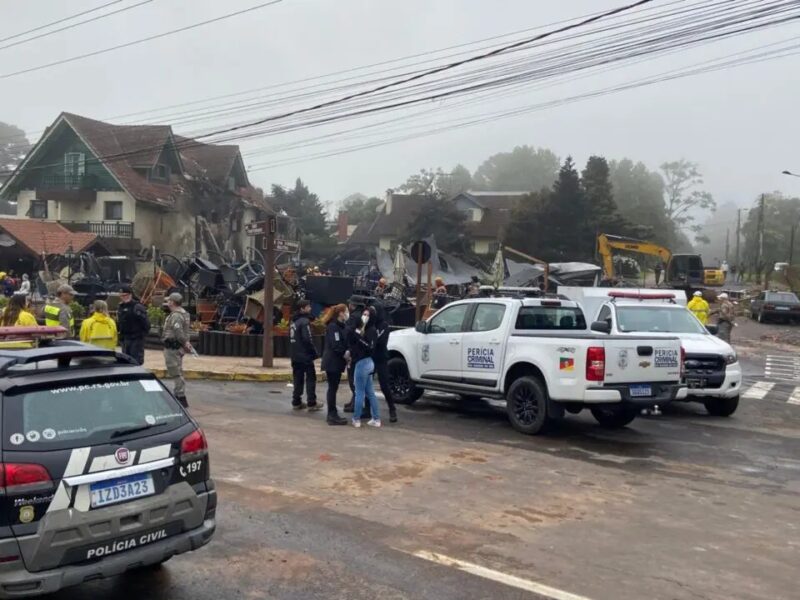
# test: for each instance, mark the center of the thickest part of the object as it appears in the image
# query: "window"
(449, 320)
(160, 172)
(653, 319)
(488, 317)
(74, 167)
(113, 211)
(38, 209)
(787, 297)
(550, 317)
(605, 315)
(231, 184)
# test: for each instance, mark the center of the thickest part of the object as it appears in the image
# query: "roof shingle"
(45, 237)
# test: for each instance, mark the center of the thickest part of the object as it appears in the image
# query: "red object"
(551, 303)
(46, 237)
(640, 296)
(14, 474)
(595, 363)
(769, 307)
(341, 227)
(194, 443)
(30, 332)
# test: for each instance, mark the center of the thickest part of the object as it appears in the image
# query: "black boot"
(335, 419)
(184, 402)
(349, 407)
(393, 415)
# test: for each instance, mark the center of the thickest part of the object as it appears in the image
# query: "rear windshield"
(782, 297)
(550, 317)
(87, 414)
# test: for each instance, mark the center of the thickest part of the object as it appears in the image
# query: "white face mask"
(364, 319)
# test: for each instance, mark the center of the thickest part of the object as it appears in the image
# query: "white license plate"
(641, 391)
(114, 491)
(782, 307)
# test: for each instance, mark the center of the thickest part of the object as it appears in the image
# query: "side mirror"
(712, 329)
(421, 327)
(601, 327)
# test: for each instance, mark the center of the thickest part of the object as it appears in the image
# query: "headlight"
(731, 358)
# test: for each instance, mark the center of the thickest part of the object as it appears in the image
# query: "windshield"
(87, 414)
(656, 319)
(782, 297)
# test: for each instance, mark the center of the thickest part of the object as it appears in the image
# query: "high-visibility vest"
(52, 314)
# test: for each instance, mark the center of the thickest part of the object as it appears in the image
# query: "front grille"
(710, 367)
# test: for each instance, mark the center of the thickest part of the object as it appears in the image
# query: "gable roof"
(46, 237)
(401, 211)
(207, 160)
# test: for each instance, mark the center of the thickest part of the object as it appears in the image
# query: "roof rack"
(488, 291)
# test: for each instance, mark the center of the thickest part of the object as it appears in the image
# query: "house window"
(113, 211)
(231, 184)
(74, 168)
(160, 172)
(38, 209)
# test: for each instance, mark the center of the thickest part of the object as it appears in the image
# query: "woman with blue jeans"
(361, 342)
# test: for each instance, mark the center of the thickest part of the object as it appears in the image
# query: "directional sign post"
(269, 229)
(254, 228)
(280, 245)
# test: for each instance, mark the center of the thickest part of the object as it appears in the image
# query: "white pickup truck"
(540, 356)
(713, 373)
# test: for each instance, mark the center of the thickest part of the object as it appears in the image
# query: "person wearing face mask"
(361, 342)
(381, 359)
(334, 358)
(355, 306)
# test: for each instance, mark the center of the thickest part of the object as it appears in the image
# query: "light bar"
(640, 296)
(29, 333)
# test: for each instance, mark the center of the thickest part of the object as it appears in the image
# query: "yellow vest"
(99, 330)
(52, 314)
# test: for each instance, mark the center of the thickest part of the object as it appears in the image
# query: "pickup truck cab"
(713, 373)
(540, 356)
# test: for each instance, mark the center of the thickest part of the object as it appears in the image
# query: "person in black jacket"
(303, 354)
(356, 305)
(132, 324)
(361, 343)
(334, 358)
(381, 358)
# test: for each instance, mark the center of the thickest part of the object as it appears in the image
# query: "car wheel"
(614, 417)
(402, 388)
(721, 407)
(526, 404)
(761, 317)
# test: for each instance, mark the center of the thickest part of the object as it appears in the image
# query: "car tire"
(761, 317)
(614, 417)
(403, 389)
(526, 404)
(721, 407)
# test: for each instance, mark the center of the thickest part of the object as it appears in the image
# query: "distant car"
(775, 305)
(102, 469)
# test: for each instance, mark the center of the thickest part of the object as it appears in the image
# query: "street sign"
(279, 245)
(420, 249)
(254, 228)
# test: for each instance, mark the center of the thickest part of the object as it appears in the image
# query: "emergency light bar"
(640, 296)
(27, 337)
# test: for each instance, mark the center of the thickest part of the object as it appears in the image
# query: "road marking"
(795, 397)
(491, 574)
(758, 390)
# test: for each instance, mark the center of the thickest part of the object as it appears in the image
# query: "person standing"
(303, 354)
(57, 312)
(381, 288)
(726, 319)
(657, 270)
(381, 360)
(16, 313)
(133, 324)
(25, 286)
(99, 330)
(474, 287)
(356, 308)
(361, 343)
(699, 307)
(176, 342)
(439, 293)
(334, 358)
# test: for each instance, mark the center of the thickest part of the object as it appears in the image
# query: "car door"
(482, 345)
(440, 352)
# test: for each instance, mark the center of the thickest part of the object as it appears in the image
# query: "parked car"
(783, 306)
(103, 471)
(540, 355)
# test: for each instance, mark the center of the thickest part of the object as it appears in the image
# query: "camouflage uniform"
(727, 317)
(175, 337)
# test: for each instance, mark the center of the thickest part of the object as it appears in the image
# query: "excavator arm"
(606, 244)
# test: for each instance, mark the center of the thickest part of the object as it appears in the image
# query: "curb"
(222, 376)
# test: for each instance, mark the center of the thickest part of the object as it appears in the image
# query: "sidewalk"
(225, 368)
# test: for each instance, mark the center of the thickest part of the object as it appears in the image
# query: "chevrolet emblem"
(644, 364)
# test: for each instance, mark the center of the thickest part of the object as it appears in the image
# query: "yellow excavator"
(683, 271)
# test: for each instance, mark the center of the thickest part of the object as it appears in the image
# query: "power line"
(140, 41)
(73, 25)
(75, 16)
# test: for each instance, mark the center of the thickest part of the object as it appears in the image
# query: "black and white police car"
(102, 470)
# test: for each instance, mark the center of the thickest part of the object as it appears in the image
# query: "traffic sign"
(254, 228)
(421, 249)
(279, 245)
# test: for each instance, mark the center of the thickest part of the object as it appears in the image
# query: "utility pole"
(791, 245)
(738, 233)
(760, 232)
(270, 228)
(727, 244)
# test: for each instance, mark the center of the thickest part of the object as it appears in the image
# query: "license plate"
(695, 383)
(641, 391)
(782, 308)
(114, 491)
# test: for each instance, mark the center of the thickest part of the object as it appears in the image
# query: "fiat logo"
(122, 455)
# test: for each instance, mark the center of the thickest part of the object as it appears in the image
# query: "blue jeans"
(363, 376)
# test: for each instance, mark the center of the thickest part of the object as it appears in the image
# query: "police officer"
(303, 353)
(57, 312)
(133, 324)
(176, 342)
(381, 358)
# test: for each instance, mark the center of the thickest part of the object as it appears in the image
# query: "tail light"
(769, 307)
(595, 363)
(193, 445)
(683, 362)
(16, 474)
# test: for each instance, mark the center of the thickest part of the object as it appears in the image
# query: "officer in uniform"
(57, 312)
(133, 324)
(176, 341)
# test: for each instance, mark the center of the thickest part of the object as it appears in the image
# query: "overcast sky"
(740, 125)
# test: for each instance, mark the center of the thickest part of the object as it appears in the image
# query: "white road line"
(795, 397)
(491, 574)
(758, 390)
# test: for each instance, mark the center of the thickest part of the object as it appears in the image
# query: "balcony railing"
(104, 229)
(68, 182)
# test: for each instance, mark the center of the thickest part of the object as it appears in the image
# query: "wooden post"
(419, 284)
(270, 229)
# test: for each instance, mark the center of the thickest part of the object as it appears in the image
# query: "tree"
(439, 217)
(603, 215)
(438, 183)
(361, 209)
(639, 195)
(14, 145)
(308, 214)
(523, 169)
(780, 215)
(684, 200)
(528, 223)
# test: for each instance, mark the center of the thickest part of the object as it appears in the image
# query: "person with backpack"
(334, 358)
(99, 329)
(361, 343)
(303, 355)
(133, 324)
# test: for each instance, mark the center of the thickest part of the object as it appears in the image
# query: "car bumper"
(781, 314)
(17, 582)
(730, 388)
(620, 394)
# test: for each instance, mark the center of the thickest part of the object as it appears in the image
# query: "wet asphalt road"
(682, 505)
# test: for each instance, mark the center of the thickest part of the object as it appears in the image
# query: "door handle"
(494, 342)
(454, 342)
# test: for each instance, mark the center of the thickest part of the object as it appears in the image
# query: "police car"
(102, 469)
